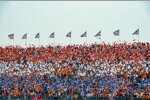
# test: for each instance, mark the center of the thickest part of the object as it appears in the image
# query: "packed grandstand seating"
(118, 69)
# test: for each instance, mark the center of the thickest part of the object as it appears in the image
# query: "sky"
(61, 17)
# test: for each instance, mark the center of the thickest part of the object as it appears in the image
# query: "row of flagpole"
(69, 35)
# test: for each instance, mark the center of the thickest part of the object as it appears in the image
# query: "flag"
(52, 35)
(136, 32)
(116, 33)
(37, 35)
(69, 34)
(11, 36)
(98, 34)
(84, 34)
(24, 36)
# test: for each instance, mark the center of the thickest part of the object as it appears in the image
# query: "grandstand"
(100, 70)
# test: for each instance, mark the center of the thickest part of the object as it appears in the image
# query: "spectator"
(77, 70)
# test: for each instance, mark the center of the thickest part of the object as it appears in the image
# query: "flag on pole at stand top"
(11, 36)
(24, 36)
(98, 34)
(84, 34)
(116, 33)
(69, 34)
(37, 35)
(136, 32)
(52, 35)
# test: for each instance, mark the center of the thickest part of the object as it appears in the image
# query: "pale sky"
(61, 17)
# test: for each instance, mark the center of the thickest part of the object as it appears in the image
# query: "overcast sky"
(20, 17)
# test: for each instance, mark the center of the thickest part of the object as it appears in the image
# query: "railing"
(26, 97)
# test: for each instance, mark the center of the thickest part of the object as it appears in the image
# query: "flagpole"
(13, 39)
(39, 41)
(7, 42)
(71, 37)
(71, 40)
(86, 39)
(138, 37)
(100, 39)
(54, 41)
(26, 42)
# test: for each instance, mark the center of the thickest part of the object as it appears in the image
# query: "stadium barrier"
(26, 97)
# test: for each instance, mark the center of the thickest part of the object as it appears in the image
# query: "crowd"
(118, 69)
